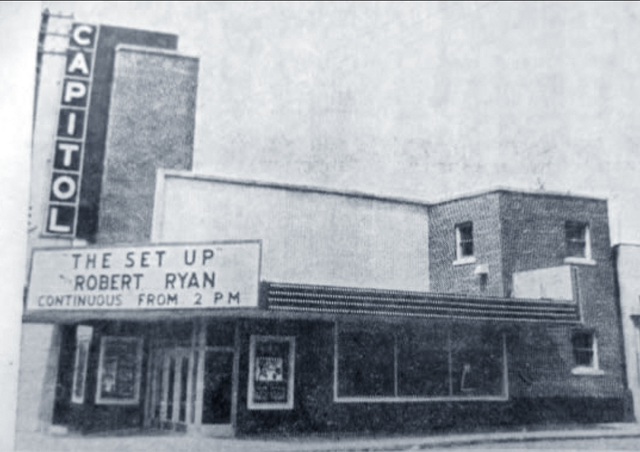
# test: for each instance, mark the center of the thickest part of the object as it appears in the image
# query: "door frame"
(159, 358)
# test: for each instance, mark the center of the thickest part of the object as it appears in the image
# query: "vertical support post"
(235, 375)
(150, 385)
(189, 418)
(177, 384)
(202, 342)
(165, 361)
(46, 406)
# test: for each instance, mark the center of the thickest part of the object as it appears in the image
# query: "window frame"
(587, 258)
(594, 367)
(504, 397)
(461, 258)
(252, 404)
(135, 398)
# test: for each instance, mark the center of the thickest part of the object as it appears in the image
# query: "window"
(464, 243)
(119, 371)
(585, 352)
(83, 342)
(383, 364)
(577, 242)
(271, 373)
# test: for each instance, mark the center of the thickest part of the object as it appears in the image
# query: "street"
(599, 444)
(175, 443)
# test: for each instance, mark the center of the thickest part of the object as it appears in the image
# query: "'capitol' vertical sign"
(64, 190)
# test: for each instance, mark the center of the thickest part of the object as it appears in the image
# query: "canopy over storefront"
(350, 301)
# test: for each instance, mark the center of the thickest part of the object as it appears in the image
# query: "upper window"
(464, 242)
(585, 352)
(577, 241)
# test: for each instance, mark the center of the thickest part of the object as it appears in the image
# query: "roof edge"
(502, 189)
(364, 195)
(283, 186)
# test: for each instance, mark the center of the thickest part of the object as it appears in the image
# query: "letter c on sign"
(64, 187)
(78, 33)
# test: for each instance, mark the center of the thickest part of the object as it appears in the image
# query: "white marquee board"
(184, 276)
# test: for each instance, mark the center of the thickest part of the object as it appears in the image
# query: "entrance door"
(171, 378)
(193, 387)
(217, 390)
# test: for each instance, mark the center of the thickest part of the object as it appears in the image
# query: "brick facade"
(444, 276)
(514, 232)
(141, 141)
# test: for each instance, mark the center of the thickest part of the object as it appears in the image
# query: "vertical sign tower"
(62, 211)
(74, 115)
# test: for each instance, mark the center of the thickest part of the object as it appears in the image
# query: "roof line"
(284, 186)
(363, 195)
(617, 245)
(502, 189)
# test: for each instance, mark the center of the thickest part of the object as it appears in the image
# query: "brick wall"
(139, 141)
(515, 232)
(533, 236)
(444, 276)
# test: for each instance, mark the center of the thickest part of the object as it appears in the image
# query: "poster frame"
(105, 341)
(254, 404)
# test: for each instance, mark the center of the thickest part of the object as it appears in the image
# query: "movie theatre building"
(217, 306)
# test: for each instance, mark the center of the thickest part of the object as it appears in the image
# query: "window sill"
(409, 399)
(587, 371)
(465, 260)
(579, 261)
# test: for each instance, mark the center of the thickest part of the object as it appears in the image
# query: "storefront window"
(271, 372)
(367, 360)
(419, 363)
(476, 362)
(119, 370)
(423, 363)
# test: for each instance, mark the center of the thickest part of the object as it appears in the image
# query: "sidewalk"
(175, 442)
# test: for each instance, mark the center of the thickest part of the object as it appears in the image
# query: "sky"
(420, 100)
(19, 23)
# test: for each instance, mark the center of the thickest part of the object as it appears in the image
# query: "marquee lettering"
(68, 153)
(82, 35)
(78, 63)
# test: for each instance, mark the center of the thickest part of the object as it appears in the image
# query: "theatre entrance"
(192, 378)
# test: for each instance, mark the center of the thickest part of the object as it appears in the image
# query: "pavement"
(177, 442)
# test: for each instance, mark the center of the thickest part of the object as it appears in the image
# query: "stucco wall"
(307, 237)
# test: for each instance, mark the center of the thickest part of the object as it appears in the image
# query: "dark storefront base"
(439, 417)
(314, 410)
(90, 417)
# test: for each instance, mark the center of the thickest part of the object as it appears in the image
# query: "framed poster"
(83, 342)
(119, 371)
(271, 373)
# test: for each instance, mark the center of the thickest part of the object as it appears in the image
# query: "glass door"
(170, 388)
(216, 397)
(192, 387)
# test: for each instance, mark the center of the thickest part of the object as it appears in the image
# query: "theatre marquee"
(185, 276)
